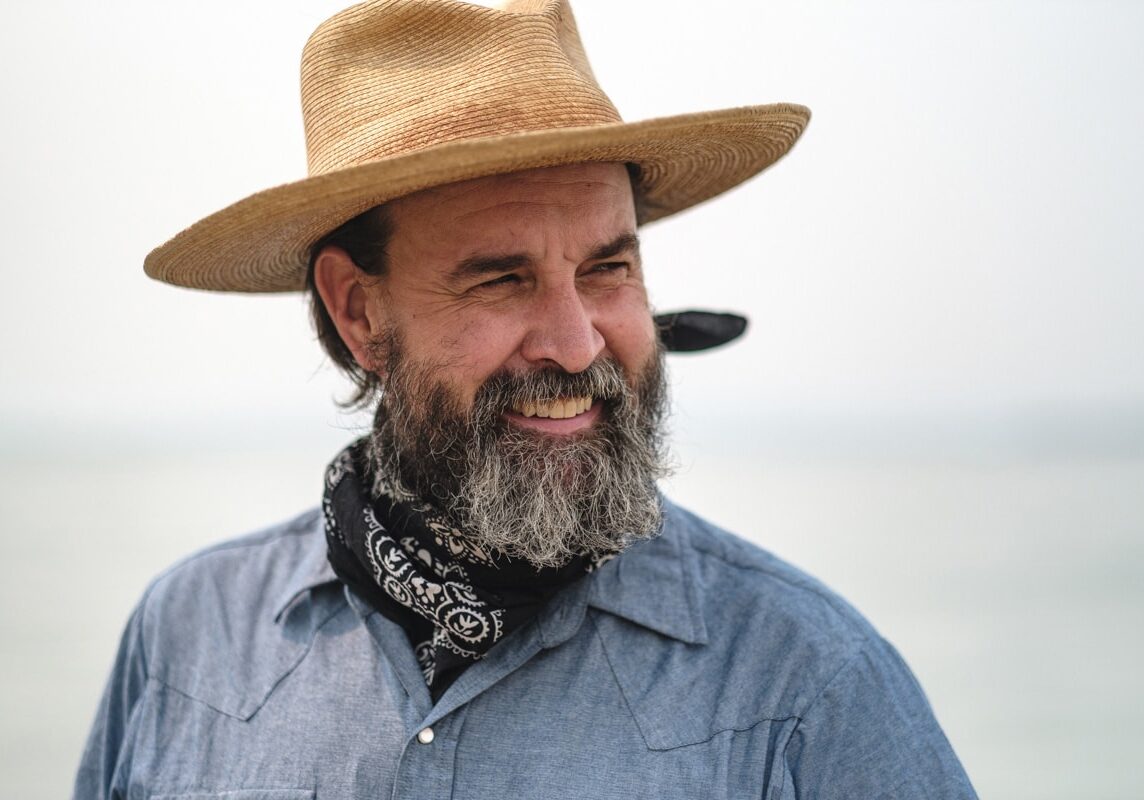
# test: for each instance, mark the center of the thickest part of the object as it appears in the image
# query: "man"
(494, 600)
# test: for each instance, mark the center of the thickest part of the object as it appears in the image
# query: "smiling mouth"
(561, 408)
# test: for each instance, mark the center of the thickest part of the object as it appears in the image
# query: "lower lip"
(558, 427)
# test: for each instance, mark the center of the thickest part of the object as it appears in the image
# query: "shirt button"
(425, 736)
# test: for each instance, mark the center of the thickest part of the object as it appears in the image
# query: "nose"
(561, 331)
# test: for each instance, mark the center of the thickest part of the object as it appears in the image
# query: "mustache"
(602, 380)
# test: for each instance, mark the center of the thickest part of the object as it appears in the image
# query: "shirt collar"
(654, 583)
(311, 571)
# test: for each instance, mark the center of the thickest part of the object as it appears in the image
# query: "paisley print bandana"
(453, 599)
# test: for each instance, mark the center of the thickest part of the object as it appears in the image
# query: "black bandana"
(453, 599)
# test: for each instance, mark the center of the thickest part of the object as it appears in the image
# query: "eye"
(501, 280)
(608, 272)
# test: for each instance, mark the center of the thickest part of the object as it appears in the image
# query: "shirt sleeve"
(871, 733)
(104, 751)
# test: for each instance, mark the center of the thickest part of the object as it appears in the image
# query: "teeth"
(557, 409)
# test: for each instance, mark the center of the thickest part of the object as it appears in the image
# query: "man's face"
(523, 380)
(515, 273)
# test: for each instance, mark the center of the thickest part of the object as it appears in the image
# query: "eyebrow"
(480, 265)
(621, 244)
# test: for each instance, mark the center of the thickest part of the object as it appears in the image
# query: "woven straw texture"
(402, 95)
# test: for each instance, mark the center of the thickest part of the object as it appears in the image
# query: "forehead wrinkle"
(531, 205)
(521, 242)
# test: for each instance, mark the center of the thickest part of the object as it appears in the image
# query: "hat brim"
(262, 243)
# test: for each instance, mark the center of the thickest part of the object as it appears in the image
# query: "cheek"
(475, 349)
(631, 335)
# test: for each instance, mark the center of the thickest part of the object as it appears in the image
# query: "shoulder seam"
(299, 525)
(839, 606)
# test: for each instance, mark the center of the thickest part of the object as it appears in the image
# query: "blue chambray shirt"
(693, 666)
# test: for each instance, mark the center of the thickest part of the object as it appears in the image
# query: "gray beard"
(541, 498)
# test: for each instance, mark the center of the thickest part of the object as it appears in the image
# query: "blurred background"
(937, 409)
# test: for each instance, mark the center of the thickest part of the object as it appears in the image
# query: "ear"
(340, 283)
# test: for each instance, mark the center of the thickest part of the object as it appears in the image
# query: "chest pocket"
(682, 695)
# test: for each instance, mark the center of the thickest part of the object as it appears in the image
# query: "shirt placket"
(426, 768)
(427, 763)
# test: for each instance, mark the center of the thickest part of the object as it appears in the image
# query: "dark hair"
(365, 238)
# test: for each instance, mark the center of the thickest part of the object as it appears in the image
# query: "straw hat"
(402, 95)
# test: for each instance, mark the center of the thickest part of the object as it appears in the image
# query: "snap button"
(425, 736)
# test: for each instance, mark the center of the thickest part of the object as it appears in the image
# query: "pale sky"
(956, 236)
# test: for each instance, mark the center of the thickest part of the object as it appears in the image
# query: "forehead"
(574, 202)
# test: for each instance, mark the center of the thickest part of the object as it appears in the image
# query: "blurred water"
(1011, 585)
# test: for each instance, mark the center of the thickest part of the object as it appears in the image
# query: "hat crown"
(391, 77)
